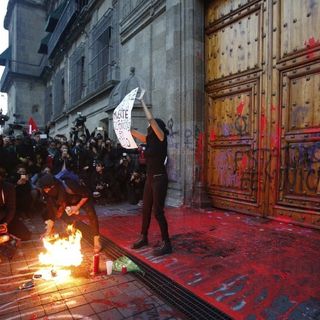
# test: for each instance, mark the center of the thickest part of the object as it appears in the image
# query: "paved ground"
(83, 296)
(248, 267)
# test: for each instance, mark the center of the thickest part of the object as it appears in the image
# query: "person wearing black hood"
(156, 184)
(70, 196)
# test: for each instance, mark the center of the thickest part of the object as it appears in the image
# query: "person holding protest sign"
(156, 184)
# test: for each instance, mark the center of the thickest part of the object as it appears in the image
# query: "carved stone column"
(185, 96)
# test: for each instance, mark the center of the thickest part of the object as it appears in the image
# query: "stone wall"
(163, 41)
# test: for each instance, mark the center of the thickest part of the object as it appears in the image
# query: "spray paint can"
(96, 259)
(124, 270)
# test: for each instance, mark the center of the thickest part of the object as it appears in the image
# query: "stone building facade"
(71, 56)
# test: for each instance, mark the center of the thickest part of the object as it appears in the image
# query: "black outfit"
(60, 163)
(155, 188)
(23, 196)
(8, 210)
(101, 182)
(69, 193)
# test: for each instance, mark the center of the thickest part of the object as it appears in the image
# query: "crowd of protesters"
(113, 174)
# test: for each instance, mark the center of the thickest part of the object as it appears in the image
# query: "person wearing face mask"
(63, 160)
(156, 184)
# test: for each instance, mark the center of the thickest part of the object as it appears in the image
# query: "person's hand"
(23, 179)
(141, 95)
(24, 160)
(73, 210)
(3, 228)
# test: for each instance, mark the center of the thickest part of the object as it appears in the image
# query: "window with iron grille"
(103, 51)
(58, 93)
(77, 75)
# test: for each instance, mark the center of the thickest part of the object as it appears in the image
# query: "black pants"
(154, 195)
(90, 211)
(92, 215)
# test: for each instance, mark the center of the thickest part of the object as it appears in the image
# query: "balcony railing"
(64, 22)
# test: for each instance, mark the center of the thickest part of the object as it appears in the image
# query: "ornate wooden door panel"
(295, 112)
(235, 78)
(263, 107)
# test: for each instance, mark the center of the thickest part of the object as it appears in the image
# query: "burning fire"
(63, 252)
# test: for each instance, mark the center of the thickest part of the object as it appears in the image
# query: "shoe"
(97, 244)
(166, 248)
(141, 242)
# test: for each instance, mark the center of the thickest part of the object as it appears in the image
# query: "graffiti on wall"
(185, 142)
(300, 169)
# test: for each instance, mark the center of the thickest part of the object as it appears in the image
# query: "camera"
(80, 120)
(3, 119)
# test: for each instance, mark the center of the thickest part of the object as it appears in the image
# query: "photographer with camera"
(79, 131)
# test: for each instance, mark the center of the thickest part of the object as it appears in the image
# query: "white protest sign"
(122, 120)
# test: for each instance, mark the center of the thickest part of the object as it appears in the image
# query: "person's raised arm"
(153, 123)
(139, 135)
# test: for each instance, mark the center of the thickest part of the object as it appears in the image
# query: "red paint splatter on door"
(240, 108)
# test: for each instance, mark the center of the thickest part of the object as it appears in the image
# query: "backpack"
(67, 175)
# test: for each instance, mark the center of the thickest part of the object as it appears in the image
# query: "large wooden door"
(262, 104)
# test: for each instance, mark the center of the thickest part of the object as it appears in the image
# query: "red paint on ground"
(246, 266)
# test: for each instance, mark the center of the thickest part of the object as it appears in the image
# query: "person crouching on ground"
(68, 193)
(155, 188)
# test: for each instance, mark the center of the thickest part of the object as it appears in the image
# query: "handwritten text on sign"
(122, 120)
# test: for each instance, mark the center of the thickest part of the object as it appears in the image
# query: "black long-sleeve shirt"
(7, 202)
(156, 154)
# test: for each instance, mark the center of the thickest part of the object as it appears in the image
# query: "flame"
(63, 252)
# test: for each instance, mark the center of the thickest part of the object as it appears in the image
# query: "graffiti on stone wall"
(190, 143)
